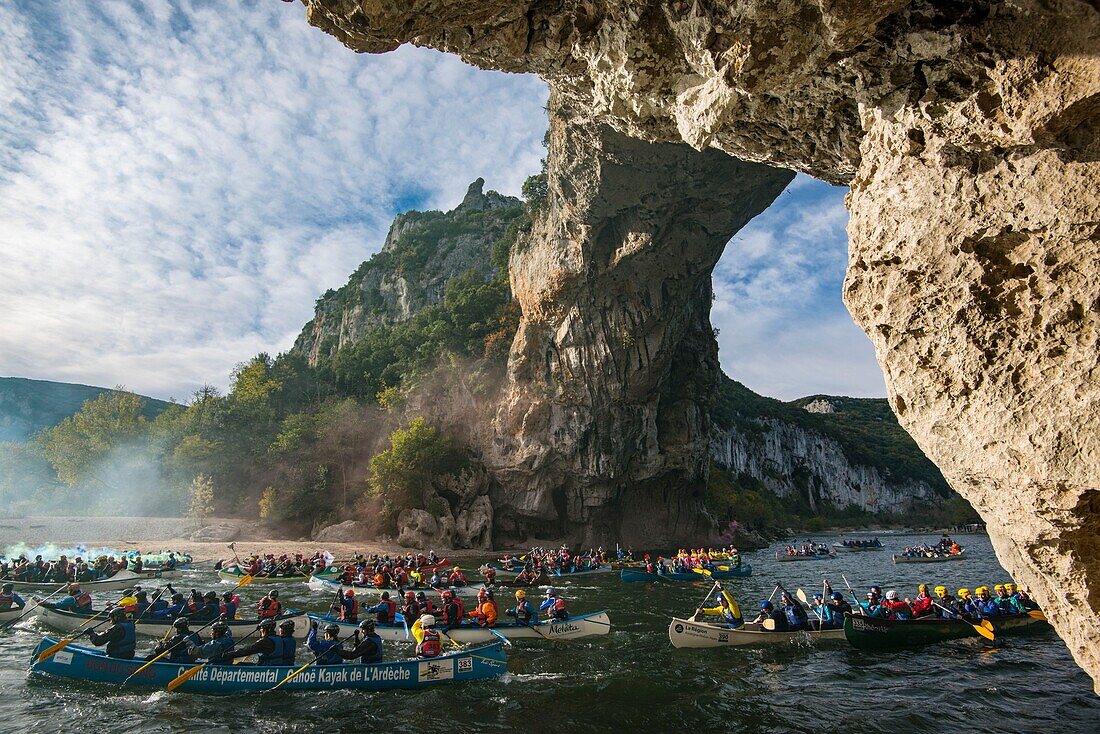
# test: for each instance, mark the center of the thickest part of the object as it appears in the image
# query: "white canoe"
(929, 559)
(11, 615)
(65, 621)
(118, 582)
(583, 625)
(686, 633)
(316, 583)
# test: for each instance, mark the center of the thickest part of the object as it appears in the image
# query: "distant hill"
(28, 406)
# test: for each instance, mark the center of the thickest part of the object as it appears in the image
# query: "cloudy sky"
(180, 181)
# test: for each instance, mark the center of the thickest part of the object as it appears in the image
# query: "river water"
(633, 679)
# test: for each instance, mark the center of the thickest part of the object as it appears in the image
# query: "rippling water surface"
(633, 679)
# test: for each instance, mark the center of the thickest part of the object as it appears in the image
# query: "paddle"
(862, 611)
(31, 607)
(699, 608)
(190, 673)
(161, 655)
(985, 629)
(311, 662)
(768, 624)
(802, 598)
(1036, 614)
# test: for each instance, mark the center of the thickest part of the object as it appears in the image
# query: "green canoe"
(876, 634)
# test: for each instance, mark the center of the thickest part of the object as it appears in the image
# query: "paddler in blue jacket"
(120, 638)
(268, 649)
(727, 609)
(173, 610)
(384, 610)
(796, 613)
(523, 611)
(218, 650)
(768, 611)
(986, 604)
(179, 644)
(368, 649)
(77, 601)
(328, 649)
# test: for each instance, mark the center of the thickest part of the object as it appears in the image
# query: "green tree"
(201, 498)
(403, 474)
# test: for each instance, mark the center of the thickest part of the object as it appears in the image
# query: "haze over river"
(633, 680)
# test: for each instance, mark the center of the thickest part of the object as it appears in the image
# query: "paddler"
(947, 607)
(173, 610)
(768, 611)
(523, 611)
(178, 645)
(430, 645)
(349, 607)
(210, 609)
(411, 609)
(457, 578)
(426, 605)
(554, 605)
(727, 609)
(268, 649)
(385, 611)
(922, 604)
(485, 614)
(327, 649)
(985, 603)
(1005, 603)
(228, 606)
(270, 606)
(286, 641)
(452, 610)
(9, 599)
(967, 606)
(218, 650)
(895, 607)
(796, 614)
(368, 649)
(120, 638)
(77, 601)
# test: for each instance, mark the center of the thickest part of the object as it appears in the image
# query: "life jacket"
(430, 646)
(178, 646)
(898, 609)
(6, 600)
(193, 607)
(558, 609)
(411, 612)
(84, 600)
(525, 613)
(349, 609)
(796, 615)
(290, 646)
(327, 651)
(486, 613)
(124, 648)
(270, 608)
(388, 615)
(377, 656)
(452, 613)
(379, 581)
(229, 611)
(225, 643)
(275, 657)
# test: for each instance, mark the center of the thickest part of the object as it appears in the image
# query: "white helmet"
(427, 620)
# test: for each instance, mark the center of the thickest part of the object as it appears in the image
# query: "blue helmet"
(765, 604)
(837, 595)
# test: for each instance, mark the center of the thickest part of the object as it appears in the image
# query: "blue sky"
(180, 181)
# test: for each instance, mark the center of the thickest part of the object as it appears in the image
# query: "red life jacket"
(83, 599)
(6, 600)
(270, 608)
(430, 645)
(350, 613)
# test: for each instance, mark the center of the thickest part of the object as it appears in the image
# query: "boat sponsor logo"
(64, 657)
(691, 630)
(861, 626)
(564, 629)
(723, 637)
(679, 629)
(434, 670)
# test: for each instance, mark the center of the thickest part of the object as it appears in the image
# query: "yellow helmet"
(981, 590)
(998, 587)
(922, 587)
(963, 593)
(455, 568)
(1010, 587)
(521, 594)
(941, 591)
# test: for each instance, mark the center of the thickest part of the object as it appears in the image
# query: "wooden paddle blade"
(987, 634)
(49, 651)
(184, 677)
(1036, 614)
(801, 596)
(768, 624)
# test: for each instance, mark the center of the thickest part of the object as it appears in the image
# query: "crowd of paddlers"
(945, 548)
(62, 569)
(807, 549)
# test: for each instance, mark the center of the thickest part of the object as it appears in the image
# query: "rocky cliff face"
(968, 133)
(422, 251)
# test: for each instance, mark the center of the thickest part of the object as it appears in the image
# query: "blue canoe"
(82, 663)
(631, 576)
(605, 568)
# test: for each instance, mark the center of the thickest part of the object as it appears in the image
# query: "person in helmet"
(270, 606)
(1005, 603)
(10, 600)
(485, 614)
(173, 610)
(921, 604)
(727, 609)
(120, 638)
(368, 648)
(985, 603)
(385, 611)
(427, 606)
(835, 609)
(287, 642)
(489, 573)
(347, 605)
(452, 610)
(326, 649)
(523, 611)
(554, 606)
(895, 607)
(431, 642)
(797, 619)
(945, 605)
(220, 647)
(776, 615)
(210, 609)
(268, 648)
(457, 578)
(967, 606)
(77, 601)
(228, 605)
(411, 609)
(179, 645)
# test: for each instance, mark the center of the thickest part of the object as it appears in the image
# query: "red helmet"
(410, 595)
(447, 594)
(482, 593)
(349, 592)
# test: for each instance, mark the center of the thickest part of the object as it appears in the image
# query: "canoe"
(631, 575)
(164, 575)
(929, 559)
(858, 548)
(816, 557)
(82, 663)
(513, 583)
(316, 583)
(232, 575)
(558, 573)
(11, 615)
(687, 633)
(334, 569)
(66, 621)
(118, 582)
(876, 635)
(582, 625)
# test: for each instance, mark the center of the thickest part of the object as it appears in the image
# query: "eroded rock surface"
(968, 131)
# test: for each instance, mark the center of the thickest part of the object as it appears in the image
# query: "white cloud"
(178, 182)
(784, 331)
